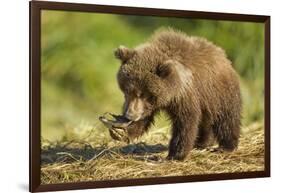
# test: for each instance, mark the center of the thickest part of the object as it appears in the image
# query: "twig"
(99, 154)
(68, 154)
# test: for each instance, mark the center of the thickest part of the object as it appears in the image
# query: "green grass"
(79, 69)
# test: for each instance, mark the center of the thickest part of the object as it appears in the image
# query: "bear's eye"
(150, 99)
(127, 74)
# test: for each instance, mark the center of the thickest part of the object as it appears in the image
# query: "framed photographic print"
(124, 96)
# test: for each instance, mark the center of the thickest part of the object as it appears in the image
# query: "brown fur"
(192, 80)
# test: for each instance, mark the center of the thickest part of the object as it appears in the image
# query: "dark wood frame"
(35, 93)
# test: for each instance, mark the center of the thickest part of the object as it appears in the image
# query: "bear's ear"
(165, 69)
(175, 72)
(123, 53)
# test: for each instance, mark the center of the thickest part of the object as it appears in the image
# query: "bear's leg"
(227, 131)
(205, 137)
(184, 134)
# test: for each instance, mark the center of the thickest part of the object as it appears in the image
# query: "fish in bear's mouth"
(117, 125)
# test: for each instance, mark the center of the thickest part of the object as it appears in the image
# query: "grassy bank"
(87, 161)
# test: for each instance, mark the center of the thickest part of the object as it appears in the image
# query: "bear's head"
(148, 80)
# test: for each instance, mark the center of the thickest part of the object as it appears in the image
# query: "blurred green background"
(78, 69)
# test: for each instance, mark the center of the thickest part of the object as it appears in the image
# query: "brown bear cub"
(192, 80)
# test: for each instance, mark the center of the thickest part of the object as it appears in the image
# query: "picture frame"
(36, 8)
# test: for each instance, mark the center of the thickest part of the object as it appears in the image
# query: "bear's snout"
(134, 109)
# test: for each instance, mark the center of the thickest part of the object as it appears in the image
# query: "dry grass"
(85, 161)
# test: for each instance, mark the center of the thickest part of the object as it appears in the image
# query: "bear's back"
(213, 74)
(189, 50)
